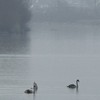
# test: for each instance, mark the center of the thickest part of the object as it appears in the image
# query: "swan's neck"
(76, 84)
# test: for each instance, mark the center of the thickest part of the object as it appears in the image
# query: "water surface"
(56, 60)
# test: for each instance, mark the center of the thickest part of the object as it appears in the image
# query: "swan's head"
(77, 81)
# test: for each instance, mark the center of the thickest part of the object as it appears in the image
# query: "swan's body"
(28, 91)
(72, 86)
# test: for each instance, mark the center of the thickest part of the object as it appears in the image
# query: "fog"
(65, 27)
(73, 23)
(65, 10)
(65, 39)
(58, 43)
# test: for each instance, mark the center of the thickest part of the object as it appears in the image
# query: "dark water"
(55, 61)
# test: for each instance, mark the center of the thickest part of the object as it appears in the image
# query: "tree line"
(63, 11)
(14, 16)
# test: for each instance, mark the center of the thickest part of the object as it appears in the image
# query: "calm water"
(52, 73)
(54, 63)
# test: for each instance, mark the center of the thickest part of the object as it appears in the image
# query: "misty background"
(63, 26)
(51, 42)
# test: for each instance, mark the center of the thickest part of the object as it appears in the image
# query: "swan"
(72, 86)
(35, 87)
(32, 90)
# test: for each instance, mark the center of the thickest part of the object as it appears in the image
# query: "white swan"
(32, 90)
(35, 87)
(72, 86)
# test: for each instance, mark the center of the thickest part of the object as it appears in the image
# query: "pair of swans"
(35, 87)
(32, 90)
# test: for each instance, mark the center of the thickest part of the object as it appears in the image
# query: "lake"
(56, 60)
